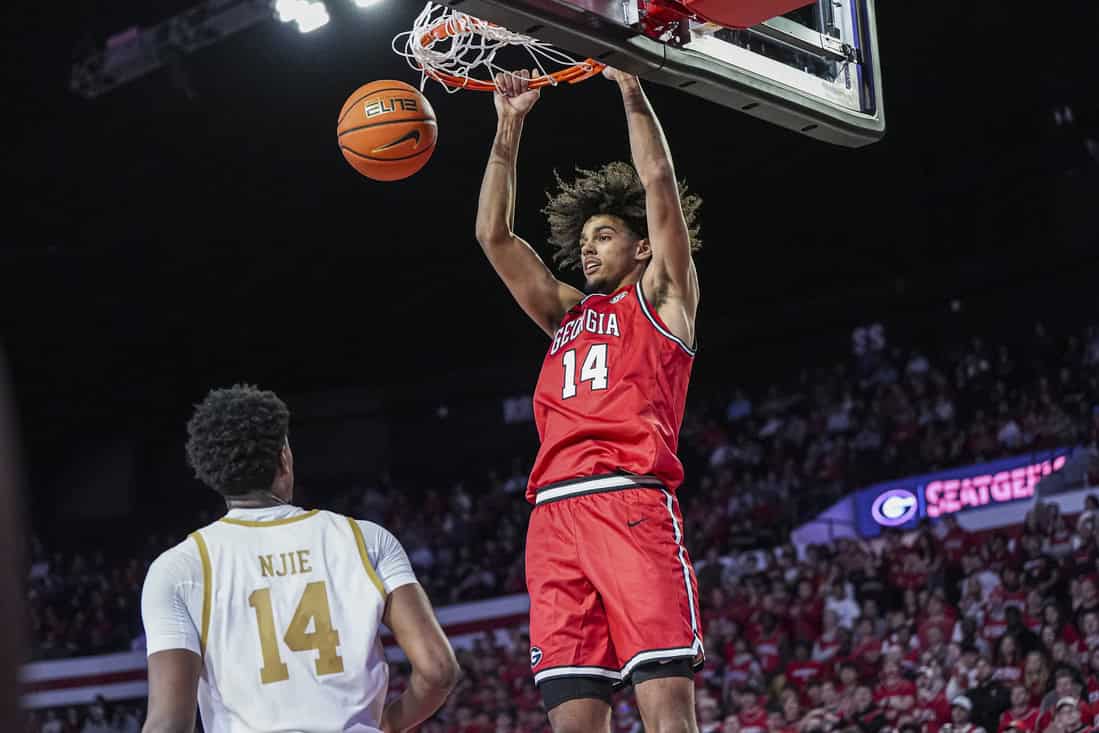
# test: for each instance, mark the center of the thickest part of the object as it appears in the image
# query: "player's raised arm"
(435, 671)
(541, 295)
(672, 270)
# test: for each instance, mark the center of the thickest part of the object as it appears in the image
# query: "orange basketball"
(387, 130)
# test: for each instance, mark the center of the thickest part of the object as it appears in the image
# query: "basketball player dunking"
(613, 594)
(270, 617)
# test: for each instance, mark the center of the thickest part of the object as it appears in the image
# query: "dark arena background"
(919, 315)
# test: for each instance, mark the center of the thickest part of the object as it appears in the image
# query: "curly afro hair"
(235, 438)
(614, 189)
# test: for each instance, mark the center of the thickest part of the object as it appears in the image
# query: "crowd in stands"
(794, 643)
(99, 717)
(885, 414)
(81, 603)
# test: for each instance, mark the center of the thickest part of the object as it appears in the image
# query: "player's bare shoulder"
(676, 305)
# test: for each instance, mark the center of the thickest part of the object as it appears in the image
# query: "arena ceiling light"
(366, 3)
(308, 15)
(140, 50)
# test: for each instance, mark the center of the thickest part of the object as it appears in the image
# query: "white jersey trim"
(655, 656)
(656, 324)
(686, 568)
(549, 674)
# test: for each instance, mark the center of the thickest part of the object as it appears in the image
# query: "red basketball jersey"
(611, 394)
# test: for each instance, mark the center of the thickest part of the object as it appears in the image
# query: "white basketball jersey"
(290, 627)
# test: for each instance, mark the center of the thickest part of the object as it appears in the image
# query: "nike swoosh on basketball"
(411, 135)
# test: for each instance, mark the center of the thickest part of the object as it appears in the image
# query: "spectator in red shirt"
(1092, 671)
(895, 695)
(955, 542)
(830, 641)
(910, 573)
(902, 645)
(805, 612)
(1036, 675)
(1009, 661)
(1069, 717)
(752, 715)
(894, 549)
(1011, 590)
(964, 674)
(1035, 604)
(791, 714)
(811, 699)
(1022, 715)
(848, 679)
(774, 720)
(932, 707)
(938, 616)
(713, 606)
(801, 669)
(706, 709)
(741, 667)
(866, 650)
(1065, 687)
(769, 642)
(995, 622)
(829, 698)
(1052, 616)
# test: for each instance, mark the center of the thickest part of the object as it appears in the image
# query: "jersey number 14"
(313, 606)
(593, 369)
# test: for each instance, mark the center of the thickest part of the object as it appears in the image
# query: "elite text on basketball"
(381, 106)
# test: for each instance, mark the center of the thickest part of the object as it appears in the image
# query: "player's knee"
(674, 716)
(675, 722)
(665, 694)
(578, 705)
(597, 723)
(571, 725)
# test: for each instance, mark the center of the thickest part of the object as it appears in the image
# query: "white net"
(460, 51)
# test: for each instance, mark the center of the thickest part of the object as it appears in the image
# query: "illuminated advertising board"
(904, 502)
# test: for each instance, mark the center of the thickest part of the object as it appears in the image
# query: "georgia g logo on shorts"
(535, 656)
(894, 507)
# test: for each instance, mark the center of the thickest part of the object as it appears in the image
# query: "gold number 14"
(313, 606)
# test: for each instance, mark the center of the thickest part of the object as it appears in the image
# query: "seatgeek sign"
(905, 502)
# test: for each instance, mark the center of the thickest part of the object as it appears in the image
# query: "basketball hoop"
(458, 51)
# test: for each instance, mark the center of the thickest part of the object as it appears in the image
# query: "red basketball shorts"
(610, 583)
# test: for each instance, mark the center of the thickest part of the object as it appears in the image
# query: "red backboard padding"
(741, 13)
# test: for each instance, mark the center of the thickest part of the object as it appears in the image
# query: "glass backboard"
(813, 69)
